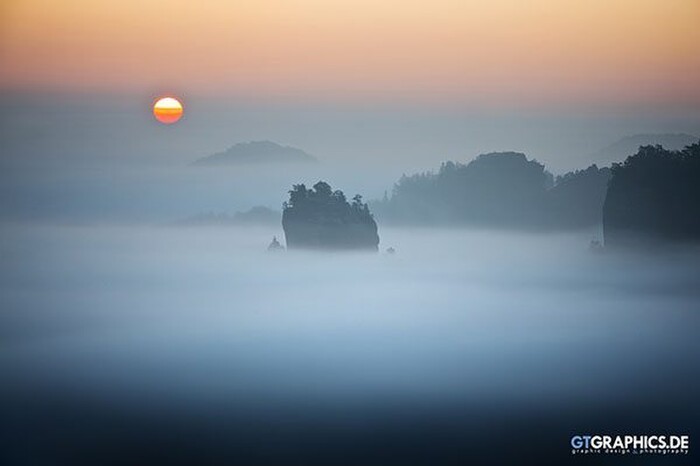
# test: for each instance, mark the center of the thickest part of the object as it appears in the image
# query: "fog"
(123, 336)
(87, 158)
(459, 332)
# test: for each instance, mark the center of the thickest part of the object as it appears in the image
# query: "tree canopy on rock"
(321, 217)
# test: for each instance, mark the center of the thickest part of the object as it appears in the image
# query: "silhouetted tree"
(653, 198)
(323, 218)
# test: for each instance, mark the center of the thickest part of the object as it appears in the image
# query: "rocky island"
(320, 218)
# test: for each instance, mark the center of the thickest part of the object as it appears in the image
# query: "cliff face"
(302, 234)
(654, 198)
(320, 218)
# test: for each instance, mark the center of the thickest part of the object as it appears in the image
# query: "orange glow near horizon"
(491, 52)
(167, 110)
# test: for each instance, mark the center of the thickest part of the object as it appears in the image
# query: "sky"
(373, 89)
(495, 54)
(495, 328)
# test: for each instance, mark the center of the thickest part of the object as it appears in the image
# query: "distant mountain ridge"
(256, 152)
(623, 148)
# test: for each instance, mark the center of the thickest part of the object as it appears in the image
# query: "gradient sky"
(541, 52)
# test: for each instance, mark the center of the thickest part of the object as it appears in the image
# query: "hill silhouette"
(499, 189)
(320, 218)
(256, 152)
(623, 148)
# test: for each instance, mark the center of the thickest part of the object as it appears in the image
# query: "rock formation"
(320, 218)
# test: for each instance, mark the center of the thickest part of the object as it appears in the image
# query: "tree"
(652, 198)
(323, 218)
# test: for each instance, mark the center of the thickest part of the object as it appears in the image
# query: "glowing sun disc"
(167, 110)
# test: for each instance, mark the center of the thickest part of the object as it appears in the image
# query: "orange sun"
(167, 110)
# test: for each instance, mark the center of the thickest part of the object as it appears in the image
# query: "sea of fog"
(196, 345)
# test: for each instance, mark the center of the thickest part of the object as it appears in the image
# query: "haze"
(206, 346)
(131, 334)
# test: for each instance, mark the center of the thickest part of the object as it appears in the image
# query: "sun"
(167, 110)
